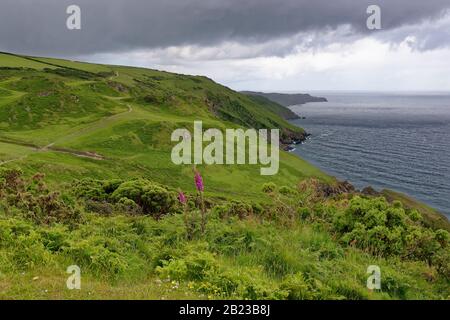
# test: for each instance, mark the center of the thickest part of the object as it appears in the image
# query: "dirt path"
(51, 146)
(13, 160)
(86, 129)
(83, 154)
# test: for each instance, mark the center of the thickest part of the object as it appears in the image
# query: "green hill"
(86, 178)
(126, 114)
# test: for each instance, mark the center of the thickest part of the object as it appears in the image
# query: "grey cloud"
(429, 35)
(38, 27)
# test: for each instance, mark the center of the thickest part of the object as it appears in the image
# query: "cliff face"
(287, 99)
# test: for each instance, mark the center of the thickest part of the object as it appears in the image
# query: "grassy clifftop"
(86, 178)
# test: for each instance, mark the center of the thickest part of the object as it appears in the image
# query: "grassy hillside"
(126, 115)
(86, 178)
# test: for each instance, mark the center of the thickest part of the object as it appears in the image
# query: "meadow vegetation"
(298, 245)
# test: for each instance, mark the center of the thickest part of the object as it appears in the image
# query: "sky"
(264, 45)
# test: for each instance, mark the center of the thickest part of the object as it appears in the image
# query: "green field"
(93, 130)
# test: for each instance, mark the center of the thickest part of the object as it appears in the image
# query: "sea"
(396, 140)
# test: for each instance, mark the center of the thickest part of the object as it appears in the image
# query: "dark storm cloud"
(38, 26)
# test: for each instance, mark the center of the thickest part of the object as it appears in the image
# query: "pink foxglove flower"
(199, 181)
(182, 197)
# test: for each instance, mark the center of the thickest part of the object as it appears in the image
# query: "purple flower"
(182, 197)
(198, 181)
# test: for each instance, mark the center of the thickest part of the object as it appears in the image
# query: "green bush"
(441, 259)
(101, 207)
(193, 266)
(387, 230)
(287, 191)
(96, 190)
(154, 199)
(269, 187)
(238, 209)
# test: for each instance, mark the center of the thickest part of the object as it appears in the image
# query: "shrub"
(269, 187)
(31, 199)
(173, 269)
(193, 266)
(97, 190)
(126, 205)
(257, 208)
(287, 191)
(154, 199)
(396, 285)
(90, 189)
(386, 230)
(441, 259)
(54, 239)
(238, 209)
(102, 207)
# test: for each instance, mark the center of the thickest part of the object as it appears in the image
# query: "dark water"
(396, 141)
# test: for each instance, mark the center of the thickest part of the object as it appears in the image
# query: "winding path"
(51, 146)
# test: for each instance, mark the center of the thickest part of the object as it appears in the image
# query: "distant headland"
(287, 99)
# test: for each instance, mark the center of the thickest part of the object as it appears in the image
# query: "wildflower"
(181, 197)
(199, 181)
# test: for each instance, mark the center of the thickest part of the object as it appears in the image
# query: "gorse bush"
(269, 187)
(95, 190)
(153, 198)
(385, 229)
(136, 197)
(32, 199)
(238, 209)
